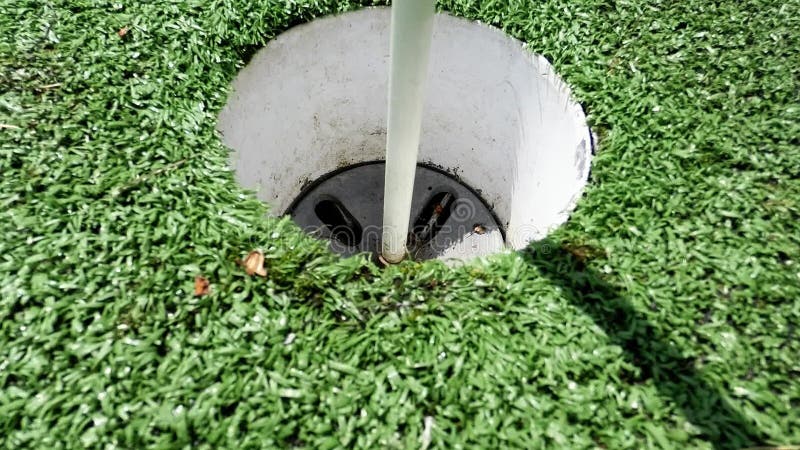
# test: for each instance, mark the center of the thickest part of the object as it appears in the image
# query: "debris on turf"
(253, 263)
(201, 286)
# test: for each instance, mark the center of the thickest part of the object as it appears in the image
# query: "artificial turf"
(663, 315)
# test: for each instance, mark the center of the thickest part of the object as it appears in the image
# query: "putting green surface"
(664, 314)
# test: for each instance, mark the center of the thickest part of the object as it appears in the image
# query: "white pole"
(412, 27)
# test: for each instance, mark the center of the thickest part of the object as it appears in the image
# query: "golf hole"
(504, 150)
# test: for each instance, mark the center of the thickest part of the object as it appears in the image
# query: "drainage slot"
(343, 226)
(346, 208)
(432, 218)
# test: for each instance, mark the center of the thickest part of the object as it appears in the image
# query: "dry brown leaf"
(254, 263)
(123, 31)
(201, 286)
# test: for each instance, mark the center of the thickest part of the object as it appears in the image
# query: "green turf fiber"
(664, 314)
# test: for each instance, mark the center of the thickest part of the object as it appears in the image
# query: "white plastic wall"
(315, 100)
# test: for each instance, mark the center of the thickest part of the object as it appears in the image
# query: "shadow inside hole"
(645, 346)
(341, 223)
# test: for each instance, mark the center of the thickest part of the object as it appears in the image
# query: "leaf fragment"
(254, 263)
(201, 286)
